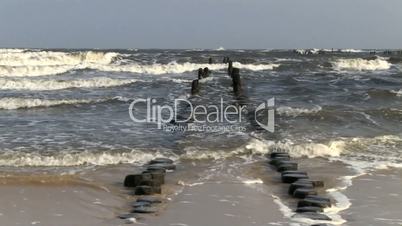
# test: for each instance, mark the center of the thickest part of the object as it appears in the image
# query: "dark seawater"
(70, 107)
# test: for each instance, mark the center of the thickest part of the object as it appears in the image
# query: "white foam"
(255, 67)
(254, 181)
(289, 111)
(50, 58)
(52, 84)
(359, 64)
(178, 68)
(220, 49)
(11, 103)
(12, 50)
(40, 63)
(397, 92)
(18, 159)
(351, 50)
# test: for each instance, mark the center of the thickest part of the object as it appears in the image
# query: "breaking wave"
(176, 68)
(348, 150)
(360, 64)
(49, 63)
(12, 103)
(19, 159)
(49, 58)
(45, 84)
(293, 112)
(41, 63)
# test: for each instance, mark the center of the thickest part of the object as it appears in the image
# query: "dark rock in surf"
(161, 160)
(155, 169)
(158, 176)
(316, 183)
(127, 216)
(152, 183)
(150, 199)
(144, 190)
(277, 161)
(315, 216)
(293, 172)
(290, 178)
(161, 166)
(140, 204)
(317, 197)
(136, 179)
(144, 209)
(314, 209)
(302, 193)
(297, 185)
(279, 154)
(313, 202)
(288, 166)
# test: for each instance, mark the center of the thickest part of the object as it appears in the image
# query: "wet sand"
(376, 199)
(198, 193)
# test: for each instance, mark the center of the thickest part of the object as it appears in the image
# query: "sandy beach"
(198, 193)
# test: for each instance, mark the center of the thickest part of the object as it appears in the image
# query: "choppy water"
(70, 107)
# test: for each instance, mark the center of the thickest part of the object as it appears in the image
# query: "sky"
(187, 24)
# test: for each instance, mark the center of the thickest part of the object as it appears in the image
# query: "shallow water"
(337, 103)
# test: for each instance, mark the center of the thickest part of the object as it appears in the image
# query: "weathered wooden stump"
(230, 68)
(237, 87)
(200, 73)
(195, 87)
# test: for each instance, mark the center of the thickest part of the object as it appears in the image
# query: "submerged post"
(230, 68)
(206, 72)
(236, 80)
(194, 87)
(200, 73)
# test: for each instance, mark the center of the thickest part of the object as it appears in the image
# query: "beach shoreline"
(198, 194)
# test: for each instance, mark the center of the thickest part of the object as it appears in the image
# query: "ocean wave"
(106, 65)
(11, 103)
(178, 68)
(19, 159)
(22, 71)
(360, 64)
(317, 51)
(46, 84)
(294, 112)
(12, 50)
(259, 147)
(40, 63)
(351, 50)
(398, 93)
(50, 58)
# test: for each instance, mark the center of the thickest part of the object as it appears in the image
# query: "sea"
(70, 110)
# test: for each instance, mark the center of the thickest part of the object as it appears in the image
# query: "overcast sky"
(262, 24)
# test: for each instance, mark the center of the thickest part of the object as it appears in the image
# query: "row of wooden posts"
(233, 72)
(309, 203)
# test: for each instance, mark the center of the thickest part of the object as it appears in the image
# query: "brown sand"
(376, 199)
(199, 193)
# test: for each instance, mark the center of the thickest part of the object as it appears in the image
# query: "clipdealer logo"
(201, 114)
